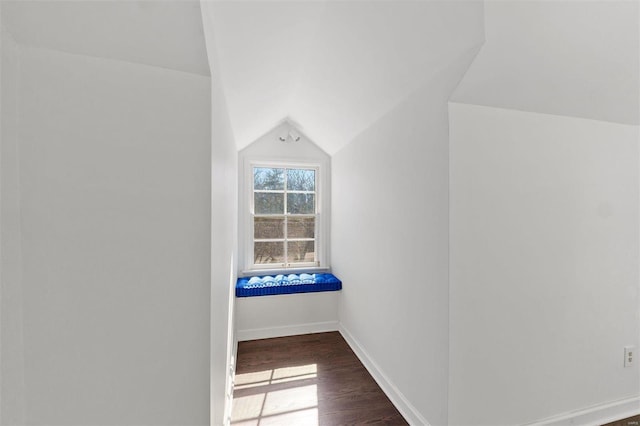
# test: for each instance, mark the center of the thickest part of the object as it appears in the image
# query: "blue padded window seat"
(286, 284)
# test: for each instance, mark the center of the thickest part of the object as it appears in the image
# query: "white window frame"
(247, 209)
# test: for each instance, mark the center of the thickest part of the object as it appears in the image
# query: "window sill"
(262, 272)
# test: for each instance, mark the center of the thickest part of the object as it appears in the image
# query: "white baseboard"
(407, 410)
(594, 415)
(289, 330)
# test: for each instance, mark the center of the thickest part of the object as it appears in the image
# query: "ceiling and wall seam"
(472, 51)
(575, 117)
(166, 34)
(574, 59)
(104, 58)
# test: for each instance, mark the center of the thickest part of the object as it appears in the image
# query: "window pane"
(301, 227)
(266, 227)
(268, 178)
(301, 180)
(268, 203)
(271, 252)
(301, 251)
(301, 203)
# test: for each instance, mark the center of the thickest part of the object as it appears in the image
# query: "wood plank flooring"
(312, 379)
(315, 380)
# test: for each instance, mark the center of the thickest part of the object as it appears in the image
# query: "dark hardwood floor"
(312, 379)
(631, 421)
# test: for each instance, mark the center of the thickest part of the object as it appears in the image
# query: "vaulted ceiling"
(333, 67)
(572, 58)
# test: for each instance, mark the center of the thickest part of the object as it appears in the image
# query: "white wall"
(390, 245)
(115, 163)
(287, 314)
(12, 403)
(543, 264)
(224, 244)
(223, 251)
(544, 215)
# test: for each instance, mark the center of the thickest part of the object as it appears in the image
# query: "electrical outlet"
(629, 356)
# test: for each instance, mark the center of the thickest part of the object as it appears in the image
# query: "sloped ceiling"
(333, 67)
(166, 34)
(572, 58)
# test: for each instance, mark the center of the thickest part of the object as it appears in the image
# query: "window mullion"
(286, 222)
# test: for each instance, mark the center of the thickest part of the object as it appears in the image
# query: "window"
(284, 216)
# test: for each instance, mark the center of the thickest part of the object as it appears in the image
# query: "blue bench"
(286, 284)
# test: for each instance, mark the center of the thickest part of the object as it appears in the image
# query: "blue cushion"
(286, 284)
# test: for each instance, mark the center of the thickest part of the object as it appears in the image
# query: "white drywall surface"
(390, 243)
(543, 264)
(286, 314)
(224, 243)
(336, 67)
(564, 57)
(223, 251)
(12, 393)
(115, 163)
(164, 34)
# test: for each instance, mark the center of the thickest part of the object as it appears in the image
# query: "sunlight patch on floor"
(247, 407)
(288, 400)
(298, 418)
(296, 404)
